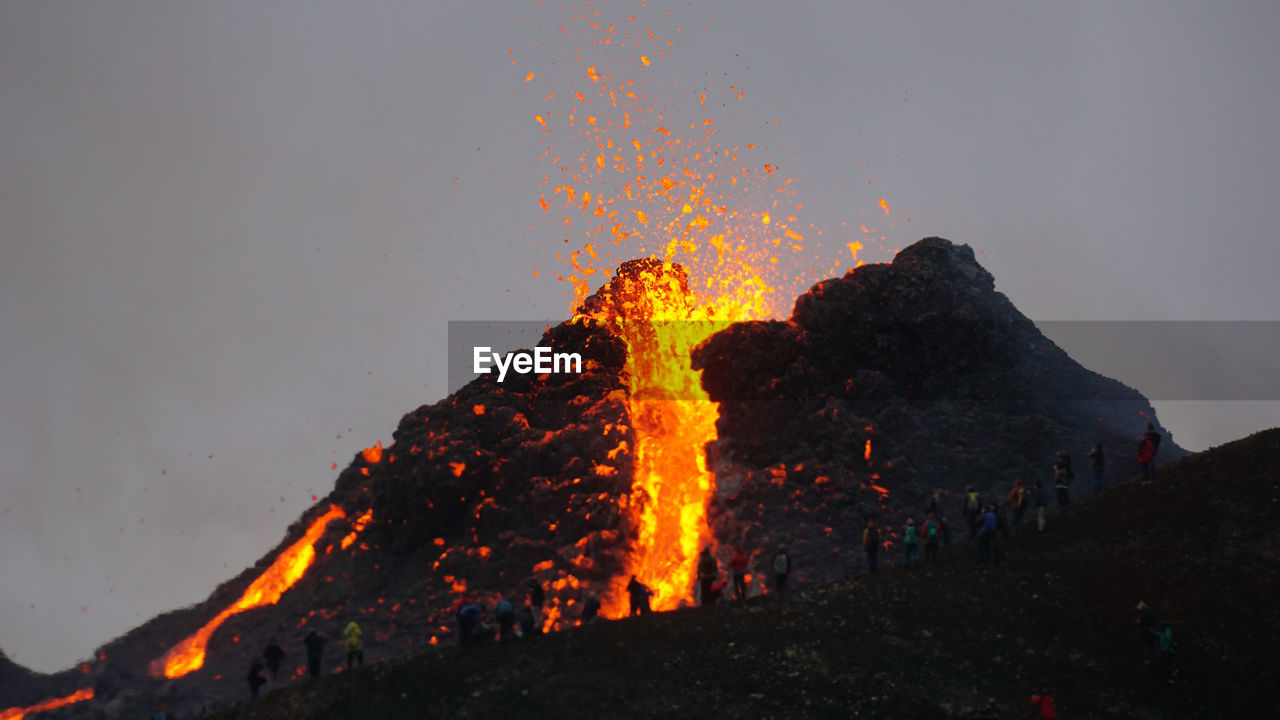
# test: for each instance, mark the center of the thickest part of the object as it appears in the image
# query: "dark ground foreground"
(1199, 544)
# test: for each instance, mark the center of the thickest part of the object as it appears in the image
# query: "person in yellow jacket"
(355, 646)
(871, 543)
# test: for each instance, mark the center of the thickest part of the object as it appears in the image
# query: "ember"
(292, 564)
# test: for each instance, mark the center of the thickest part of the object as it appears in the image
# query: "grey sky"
(233, 233)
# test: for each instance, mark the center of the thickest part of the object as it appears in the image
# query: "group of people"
(986, 520)
(508, 623)
(273, 655)
(710, 584)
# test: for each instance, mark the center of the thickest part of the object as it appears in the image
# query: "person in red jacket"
(1044, 704)
(1147, 446)
(739, 566)
(1019, 498)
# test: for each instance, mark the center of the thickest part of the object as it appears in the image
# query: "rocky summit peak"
(935, 255)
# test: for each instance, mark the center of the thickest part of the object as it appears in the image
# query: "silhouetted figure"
(972, 510)
(1062, 477)
(506, 616)
(315, 652)
(1018, 499)
(934, 501)
(591, 607)
(739, 566)
(354, 639)
(931, 539)
(1147, 632)
(525, 618)
(910, 544)
(537, 598)
(781, 569)
(1041, 503)
(1097, 464)
(467, 616)
(871, 543)
(1164, 640)
(638, 593)
(256, 679)
(987, 536)
(273, 654)
(707, 572)
(1148, 444)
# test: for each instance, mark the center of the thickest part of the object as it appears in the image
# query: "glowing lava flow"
(288, 568)
(650, 306)
(75, 697)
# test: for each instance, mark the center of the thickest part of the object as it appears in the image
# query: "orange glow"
(75, 697)
(289, 567)
(687, 196)
(662, 321)
(885, 204)
(373, 454)
(457, 468)
(356, 528)
(477, 409)
(866, 453)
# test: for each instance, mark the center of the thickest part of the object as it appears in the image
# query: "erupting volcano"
(695, 420)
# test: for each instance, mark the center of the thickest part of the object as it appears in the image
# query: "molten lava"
(650, 306)
(288, 568)
(75, 697)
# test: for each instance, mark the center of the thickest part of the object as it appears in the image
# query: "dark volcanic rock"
(921, 358)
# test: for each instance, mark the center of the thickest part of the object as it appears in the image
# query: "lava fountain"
(650, 306)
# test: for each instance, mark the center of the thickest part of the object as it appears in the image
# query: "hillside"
(885, 385)
(1200, 544)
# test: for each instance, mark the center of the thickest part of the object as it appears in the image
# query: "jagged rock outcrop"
(887, 384)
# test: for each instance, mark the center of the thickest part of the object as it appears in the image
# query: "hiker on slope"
(1018, 499)
(639, 594)
(931, 539)
(537, 598)
(987, 536)
(1097, 463)
(910, 544)
(1062, 477)
(315, 652)
(707, 572)
(936, 512)
(273, 654)
(1037, 494)
(781, 569)
(353, 637)
(972, 510)
(1148, 444)
(871, 543)
(506, 615)
(256, 678)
